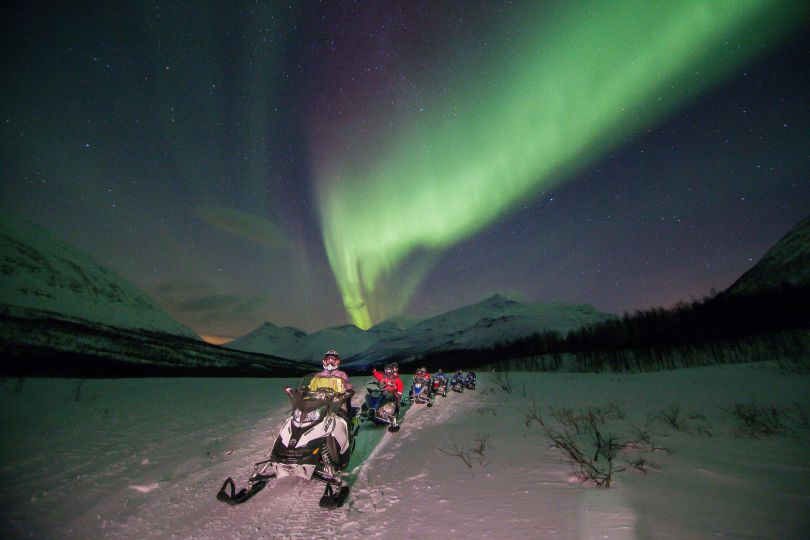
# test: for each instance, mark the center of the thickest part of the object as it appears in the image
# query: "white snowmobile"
(314, 443)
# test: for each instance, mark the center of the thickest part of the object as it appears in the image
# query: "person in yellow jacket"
(333, 378)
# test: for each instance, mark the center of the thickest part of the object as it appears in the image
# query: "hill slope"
(293, 343)
(786, 263)
(41, 272)
(495, 320)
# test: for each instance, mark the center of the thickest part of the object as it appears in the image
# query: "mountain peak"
(787, 262)
(497, 300)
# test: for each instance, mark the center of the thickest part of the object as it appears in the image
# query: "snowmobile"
(469, 380)
(420, 393)
(314, 443)
(440, 385)
(457, 382)
(380, 406)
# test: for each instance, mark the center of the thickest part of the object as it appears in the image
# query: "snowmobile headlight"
(312, 416)
(297, 415)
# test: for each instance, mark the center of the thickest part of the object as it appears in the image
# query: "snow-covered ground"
(144, 458)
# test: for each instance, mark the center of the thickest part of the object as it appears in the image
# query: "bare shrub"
(674, 417)
(586, 440)
(504, 382)
(76, 393)
(13, 386)
(800, 417)
(470, 456)
(754, 420)
(585, 446)
(643, 465)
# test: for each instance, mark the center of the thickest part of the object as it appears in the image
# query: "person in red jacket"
(422, 376)
(391, 382)
(422, 373)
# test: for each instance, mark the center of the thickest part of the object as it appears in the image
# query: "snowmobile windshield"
(374, 387)
(315, 391)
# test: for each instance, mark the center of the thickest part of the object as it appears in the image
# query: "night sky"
(314, 164)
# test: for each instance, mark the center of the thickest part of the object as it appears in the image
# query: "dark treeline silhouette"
(722, 328)
(37, 344)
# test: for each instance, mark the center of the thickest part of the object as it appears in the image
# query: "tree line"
(720, 328)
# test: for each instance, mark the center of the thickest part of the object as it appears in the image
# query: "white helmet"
(331, 360)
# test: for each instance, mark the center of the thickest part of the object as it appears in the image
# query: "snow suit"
(391, 384)
(425, 380)
(339, 382)
(339, 374)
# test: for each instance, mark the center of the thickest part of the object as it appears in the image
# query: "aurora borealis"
(316, 164)
(567, 98)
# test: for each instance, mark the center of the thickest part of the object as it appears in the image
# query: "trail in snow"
(144, 459)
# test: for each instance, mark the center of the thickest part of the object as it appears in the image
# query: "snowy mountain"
(787, 262)
(494, 321)
(42, 273)
(296, 344)
(63, 314)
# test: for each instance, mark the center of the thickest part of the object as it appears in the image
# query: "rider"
(423, 376)
(441, 377)
(331, 362)
(390, 381)
(422, 373)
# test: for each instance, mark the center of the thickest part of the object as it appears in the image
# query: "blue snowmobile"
(440, 384)
(469, 380)
(457, 381)
(381, 406)
(420, 392)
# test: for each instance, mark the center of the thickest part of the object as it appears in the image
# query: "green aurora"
(561, 91)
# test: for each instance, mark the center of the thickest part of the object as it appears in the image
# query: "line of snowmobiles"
(317, 439)
(459, 381)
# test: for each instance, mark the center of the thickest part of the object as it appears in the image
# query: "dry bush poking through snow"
(468, 455)
(679, 420)
(755, 420)
(503, 380)
(584, 438)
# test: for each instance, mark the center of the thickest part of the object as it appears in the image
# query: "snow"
(40, 272)
(296, 344)
(487, 323)
(786, 262)
(143, 458)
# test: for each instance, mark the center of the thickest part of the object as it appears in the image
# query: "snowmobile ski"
(227, 493)
(334, 497)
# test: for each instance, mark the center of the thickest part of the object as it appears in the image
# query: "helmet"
(331, 360)
(389, 369)
(440, 371)
(458, 372)
(421, 371)
(395, 367)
